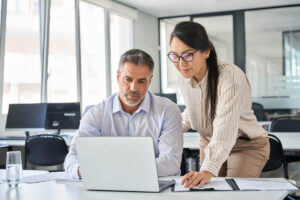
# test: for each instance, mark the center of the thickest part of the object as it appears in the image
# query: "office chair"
(258, 111)
(287, 124)
(45, 150)
(277, 157)
(171, 96)
(9, 148)
(183, 166)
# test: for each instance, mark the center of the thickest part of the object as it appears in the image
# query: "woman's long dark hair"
(195, 36)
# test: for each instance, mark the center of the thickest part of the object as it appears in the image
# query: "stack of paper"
(264, 184)
(216, 183)
(220, 184)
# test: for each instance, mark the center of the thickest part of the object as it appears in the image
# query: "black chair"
(287, 124)
(183, 166)
(9, 148)
(45, 150)
(171, 96)
(258, 111)
(277, 157)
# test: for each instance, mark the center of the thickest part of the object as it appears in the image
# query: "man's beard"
(132, 102)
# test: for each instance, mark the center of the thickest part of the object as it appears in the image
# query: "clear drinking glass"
(14, 169)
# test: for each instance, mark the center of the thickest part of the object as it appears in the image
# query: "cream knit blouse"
(234, 116)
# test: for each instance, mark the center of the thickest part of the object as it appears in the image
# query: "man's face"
(133, 82)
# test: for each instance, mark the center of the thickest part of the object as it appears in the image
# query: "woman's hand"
(193, 179)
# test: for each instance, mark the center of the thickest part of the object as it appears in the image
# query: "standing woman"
(218, 105)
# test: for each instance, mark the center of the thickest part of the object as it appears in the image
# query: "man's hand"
(78, 172)
(193, 179)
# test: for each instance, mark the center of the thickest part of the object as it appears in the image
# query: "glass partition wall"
(270, 38)
(273, 58)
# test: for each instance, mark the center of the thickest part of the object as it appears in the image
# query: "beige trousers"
(246, 159)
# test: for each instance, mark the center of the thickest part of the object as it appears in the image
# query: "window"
(120, 41)
(169, 74)
(93, 55)
(291, 52)
(272, 56)
(22, 64)
(62, 73)
(24, 49)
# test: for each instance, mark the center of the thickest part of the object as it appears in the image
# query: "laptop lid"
(118, 163)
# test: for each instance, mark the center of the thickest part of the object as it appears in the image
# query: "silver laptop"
(119, 164)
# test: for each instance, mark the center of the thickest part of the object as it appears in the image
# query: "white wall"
(145, 37)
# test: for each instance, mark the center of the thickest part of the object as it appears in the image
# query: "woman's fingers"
(193, 179)
(186, 178)
(202, 182)
(197, 178)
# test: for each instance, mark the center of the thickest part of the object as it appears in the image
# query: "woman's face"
(196, 67)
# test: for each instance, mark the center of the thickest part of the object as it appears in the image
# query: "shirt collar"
(145, 105)
(201, 84)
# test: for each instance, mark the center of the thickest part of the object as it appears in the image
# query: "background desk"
(289, 140)
(69, 190)
(22, 142)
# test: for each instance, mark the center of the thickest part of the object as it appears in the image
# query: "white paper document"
(25, 174)
(220, 184)
(264, 184)
(59, 176)
(215, 183)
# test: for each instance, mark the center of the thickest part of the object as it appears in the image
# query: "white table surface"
(74, 190)
(22, 142)
(290, 140)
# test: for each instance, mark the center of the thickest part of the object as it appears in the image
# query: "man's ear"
(118, 75)
(150, 79)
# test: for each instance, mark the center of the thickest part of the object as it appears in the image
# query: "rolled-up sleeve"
(170, 143)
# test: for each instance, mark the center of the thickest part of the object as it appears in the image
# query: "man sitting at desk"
(134, 111)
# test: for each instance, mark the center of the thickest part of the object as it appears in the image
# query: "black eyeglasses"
(187, 57)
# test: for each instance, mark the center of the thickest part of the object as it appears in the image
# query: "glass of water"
(14, 169)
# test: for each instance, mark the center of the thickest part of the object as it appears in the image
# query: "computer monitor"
(26, 117)
(62, 116)
(171, 96)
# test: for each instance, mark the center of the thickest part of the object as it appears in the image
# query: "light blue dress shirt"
(157, 117)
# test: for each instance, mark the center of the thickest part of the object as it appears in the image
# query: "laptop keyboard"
(161, 184)
(164, 184)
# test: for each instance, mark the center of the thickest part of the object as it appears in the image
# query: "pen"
(202, 189)
(186, 181)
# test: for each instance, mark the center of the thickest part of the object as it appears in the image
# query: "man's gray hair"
(137, 57)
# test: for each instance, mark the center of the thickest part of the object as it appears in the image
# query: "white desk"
(69, 190)
(22, 142)
(289, 140)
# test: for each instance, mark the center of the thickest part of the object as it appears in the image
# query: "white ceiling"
(163, 8)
